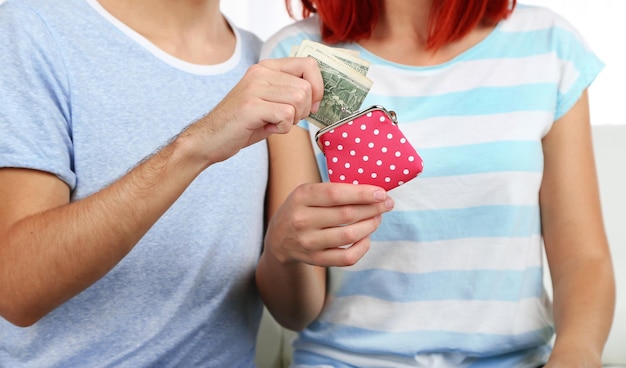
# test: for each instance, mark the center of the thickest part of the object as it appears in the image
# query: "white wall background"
(601, 22)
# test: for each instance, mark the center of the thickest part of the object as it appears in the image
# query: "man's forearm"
(49, 257)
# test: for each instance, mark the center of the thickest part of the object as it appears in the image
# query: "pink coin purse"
(367, 147)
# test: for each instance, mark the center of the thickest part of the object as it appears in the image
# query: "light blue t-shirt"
(86, 98)
(454, 275)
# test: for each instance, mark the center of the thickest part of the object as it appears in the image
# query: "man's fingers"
(294, 92)
(305, 68)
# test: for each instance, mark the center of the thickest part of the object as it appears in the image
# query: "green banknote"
(345, 82)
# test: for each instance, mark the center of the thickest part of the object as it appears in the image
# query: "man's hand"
(271, 97)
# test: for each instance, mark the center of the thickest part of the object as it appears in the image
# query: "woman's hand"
(574, 358)
(326, 224)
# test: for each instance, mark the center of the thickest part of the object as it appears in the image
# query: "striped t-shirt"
(454, 274)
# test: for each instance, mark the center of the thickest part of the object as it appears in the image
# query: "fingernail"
(315, 106)
(379, 195)
(389, 203)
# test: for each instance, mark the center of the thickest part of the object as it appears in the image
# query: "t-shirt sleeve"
(35, 128)
(579, 65)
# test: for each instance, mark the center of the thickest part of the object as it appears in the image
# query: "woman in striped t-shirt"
(494, 97)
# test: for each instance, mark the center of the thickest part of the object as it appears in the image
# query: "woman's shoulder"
(535, 18)
(279, 44)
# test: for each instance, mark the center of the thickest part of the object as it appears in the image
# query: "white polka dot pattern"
(370, 149)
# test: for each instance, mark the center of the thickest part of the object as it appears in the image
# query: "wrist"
(192, 149)
(270, 252)
(577, 355)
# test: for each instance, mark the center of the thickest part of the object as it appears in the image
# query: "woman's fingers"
(327, 224)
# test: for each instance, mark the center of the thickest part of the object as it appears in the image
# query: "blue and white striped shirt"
(454, 274)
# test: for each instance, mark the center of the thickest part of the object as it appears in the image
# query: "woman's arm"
(304, 232)
(576, 244)
(289, 289)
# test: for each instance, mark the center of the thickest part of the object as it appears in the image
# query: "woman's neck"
(401, 35)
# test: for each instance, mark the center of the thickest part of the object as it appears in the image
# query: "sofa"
(274, 343)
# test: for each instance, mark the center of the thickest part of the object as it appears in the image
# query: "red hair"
(450, 20)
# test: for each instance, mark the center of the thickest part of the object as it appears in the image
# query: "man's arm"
(51, 249)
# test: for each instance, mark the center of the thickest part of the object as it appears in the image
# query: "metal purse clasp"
(354, 116)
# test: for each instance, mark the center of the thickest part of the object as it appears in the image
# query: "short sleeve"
(579, 65)
(35, 128)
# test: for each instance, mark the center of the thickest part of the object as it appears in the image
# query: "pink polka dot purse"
(368, 147)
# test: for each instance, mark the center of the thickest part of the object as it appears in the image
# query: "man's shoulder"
(45, 9)
(44, 18)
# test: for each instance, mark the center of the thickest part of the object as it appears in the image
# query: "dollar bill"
(334, 50)
(347, 56)
(345, 82)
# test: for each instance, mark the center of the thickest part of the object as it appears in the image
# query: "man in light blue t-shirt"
(133, 172)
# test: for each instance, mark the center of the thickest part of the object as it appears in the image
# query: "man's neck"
(194, 31)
